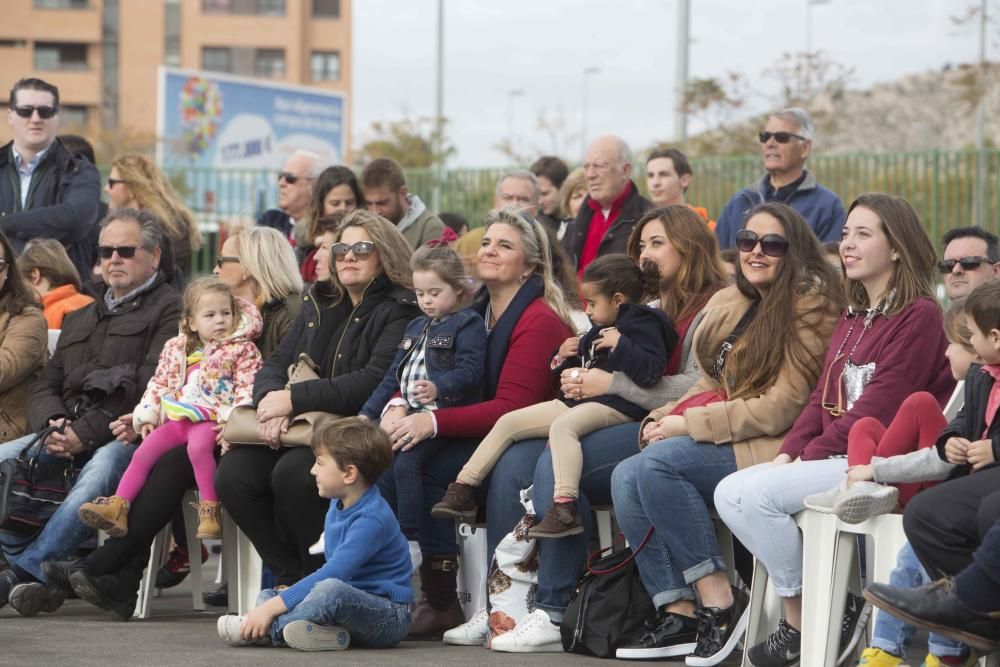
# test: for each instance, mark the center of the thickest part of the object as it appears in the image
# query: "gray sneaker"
(823, 502)
(863, 500)
(308, 636)
(31, 598)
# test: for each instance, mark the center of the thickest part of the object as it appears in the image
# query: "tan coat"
(755, 426)
(23, 351)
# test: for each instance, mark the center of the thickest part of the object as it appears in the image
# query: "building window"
(62, 4)
(327, 9)
(216, 59)
(73, 116)
(53, 55)
(172, 33)
(324, 66)
(269, 63)
(262, 7)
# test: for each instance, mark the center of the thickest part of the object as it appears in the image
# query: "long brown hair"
(913, 274)
(16, 294)
(393, 250)
(775, 333)
(154, 193)
(701, 273)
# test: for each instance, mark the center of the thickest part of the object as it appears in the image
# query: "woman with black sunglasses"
(759, 348)
(888, 344)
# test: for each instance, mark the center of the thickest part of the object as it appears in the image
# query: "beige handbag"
(241, 429)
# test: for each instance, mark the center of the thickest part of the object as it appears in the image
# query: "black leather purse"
(31, 490)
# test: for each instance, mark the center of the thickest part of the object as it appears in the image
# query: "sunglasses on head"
(124, 251)
(780, 137)
(968, 263)
(772, 245)
(361, 249)
(26, 110)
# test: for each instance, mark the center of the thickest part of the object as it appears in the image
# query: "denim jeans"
(372, 620)
(669, 485)
(64, 532)
(561, 560)
(759, 505)
(893, 635)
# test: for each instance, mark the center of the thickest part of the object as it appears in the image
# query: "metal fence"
(944, 187)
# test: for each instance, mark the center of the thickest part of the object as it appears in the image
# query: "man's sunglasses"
(968, 263)
(124, 251)
(361, 249)
(26, 110)
(780, 137)
(772, 245)
(222, 259)
(291, 179)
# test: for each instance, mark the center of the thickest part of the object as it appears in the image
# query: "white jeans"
(758, 504)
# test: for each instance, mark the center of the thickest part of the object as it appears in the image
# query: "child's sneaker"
(562, 520)
(228, 627)
(308, 636)
(932, 660)
(823, 502)
(107, 514)
(876, 657)
(459, 503)
(209, 523)
(863, 500)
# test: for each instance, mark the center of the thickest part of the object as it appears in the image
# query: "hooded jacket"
(225, 377)
(419, 225)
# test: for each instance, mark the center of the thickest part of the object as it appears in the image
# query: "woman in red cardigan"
(526, 320)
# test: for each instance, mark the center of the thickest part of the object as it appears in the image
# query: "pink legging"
(200, 439)
(917, 425)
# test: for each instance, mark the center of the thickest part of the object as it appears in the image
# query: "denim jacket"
(455, 356)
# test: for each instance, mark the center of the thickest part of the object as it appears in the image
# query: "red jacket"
(524, 380)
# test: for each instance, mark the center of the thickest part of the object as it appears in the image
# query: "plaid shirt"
(413, 370)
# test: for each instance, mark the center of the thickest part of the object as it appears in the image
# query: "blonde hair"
(537, 255)
(269, 259)
(153, 192)
(189, 303)
(393, 250)
(574, 183)
(49, 257)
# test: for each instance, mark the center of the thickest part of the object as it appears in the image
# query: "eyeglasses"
(222, 259)
(596, 166)
(772, 245)
(780, 137)
(291, 179)
(124, 251)
(112, 182)
(361, 249)
(514, 199)
(26, 110)
(968, 263)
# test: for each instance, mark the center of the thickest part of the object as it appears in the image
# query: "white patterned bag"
(513, 578)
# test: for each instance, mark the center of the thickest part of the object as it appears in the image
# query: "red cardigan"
(525, 378)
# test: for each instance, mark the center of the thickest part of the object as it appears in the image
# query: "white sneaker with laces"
(471, 633)
(534, 633)
(228, 627)
(863, 500)
(823, 502)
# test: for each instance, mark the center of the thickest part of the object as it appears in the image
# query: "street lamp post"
(809, 5)
(587, 72)
(511, 94)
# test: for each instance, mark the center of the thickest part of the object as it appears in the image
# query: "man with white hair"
(295, 188)
(612, 207)
(786, 142)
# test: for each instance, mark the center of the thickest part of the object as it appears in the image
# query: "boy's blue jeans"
(893, 635)
(373, 621)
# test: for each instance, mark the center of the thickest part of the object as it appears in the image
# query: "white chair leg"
(249, 569)
(759, 623)
(725, 537)
(148, 583)
(605, 536)
(194, 548)
(826, 567)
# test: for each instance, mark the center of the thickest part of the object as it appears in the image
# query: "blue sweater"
(364, 548)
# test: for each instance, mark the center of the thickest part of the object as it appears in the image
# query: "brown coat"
(755, 426)
(23, 350)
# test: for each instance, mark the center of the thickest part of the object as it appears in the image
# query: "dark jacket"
(647, 339)
(820, 207)
(616, 238)
(456, 352)
(62, 203)
(362, 348)
(276, 219)
(103, 362)
(970, 422)
(279, 315)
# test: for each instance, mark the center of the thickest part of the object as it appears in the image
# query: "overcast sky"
(542, 47)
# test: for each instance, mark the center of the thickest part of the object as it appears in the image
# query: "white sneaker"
(309, 636)
(471, 633)
(823, 502)
(228, 627)
(416, 556)
(320, 545)
(534, 633)
(863, 500)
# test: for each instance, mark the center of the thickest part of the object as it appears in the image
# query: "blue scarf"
(499, 337)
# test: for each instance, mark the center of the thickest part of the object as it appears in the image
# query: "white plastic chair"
(160, 552)
(243, 565)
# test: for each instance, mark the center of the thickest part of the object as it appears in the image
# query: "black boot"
(114, 593)
(438, 609)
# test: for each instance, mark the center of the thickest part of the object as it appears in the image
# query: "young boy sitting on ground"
(363, 590)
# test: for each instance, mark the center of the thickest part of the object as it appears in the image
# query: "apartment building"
(104, 54)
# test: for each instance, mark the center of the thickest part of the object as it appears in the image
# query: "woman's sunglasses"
(361, 249)
(968, 263)
(222, 259)
(772, 245)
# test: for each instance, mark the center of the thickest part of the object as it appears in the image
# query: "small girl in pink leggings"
(201, 376)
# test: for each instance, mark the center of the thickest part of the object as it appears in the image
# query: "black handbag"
(32, 490)
(609, 607)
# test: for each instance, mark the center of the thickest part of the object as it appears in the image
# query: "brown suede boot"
(108, 514)
(209, 520)
(562, 520)
(459, 503)
(438, 609)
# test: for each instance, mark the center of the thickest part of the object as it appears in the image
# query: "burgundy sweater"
(908, 351)
(525, 378)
